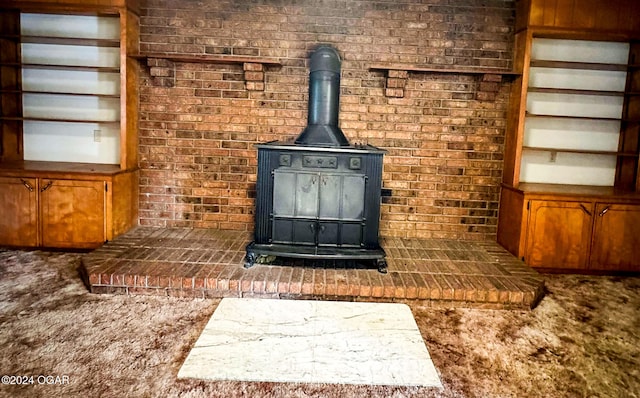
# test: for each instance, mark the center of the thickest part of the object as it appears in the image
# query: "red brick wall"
(199, 122)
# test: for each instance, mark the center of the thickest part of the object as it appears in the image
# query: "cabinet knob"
(49, 184)
(604, 211)
(26, 184)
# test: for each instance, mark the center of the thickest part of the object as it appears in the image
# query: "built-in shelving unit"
(69, 69)
(68, 122)
(574, 112)
(570, 198)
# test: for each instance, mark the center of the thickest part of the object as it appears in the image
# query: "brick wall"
(444, 137)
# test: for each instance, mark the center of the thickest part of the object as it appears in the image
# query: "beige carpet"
(582, 340)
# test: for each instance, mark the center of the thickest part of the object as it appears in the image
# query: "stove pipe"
(324, 101)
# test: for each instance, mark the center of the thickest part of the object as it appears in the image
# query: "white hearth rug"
(304, 341)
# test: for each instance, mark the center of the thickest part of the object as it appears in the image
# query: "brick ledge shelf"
(397, 75)
(161, 66)
(204, 263)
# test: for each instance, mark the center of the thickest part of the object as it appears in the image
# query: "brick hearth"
(205, 263)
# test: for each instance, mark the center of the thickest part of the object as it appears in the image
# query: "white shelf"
(70, 88)
(574, 111)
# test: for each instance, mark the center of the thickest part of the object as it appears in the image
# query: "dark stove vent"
(324, 101)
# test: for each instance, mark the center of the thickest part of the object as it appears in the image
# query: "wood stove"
(319, 197)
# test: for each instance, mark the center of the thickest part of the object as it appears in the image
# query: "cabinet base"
(258, 251)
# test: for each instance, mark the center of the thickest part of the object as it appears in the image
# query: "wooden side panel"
(124, 209)
(511, 221)
(522, 14)
(614, 16)
(19, 204)
(616, 238)
(72, 213)
(558, 234)
(10, 80)
(515, 115)
(562, 15)
(130, 39)
(628, 168)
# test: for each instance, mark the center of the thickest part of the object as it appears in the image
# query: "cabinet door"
(72, 213)
(19, 221)
(558, 234)
(616, 238)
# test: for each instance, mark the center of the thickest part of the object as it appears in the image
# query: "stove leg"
(250, 260)
(382, 265)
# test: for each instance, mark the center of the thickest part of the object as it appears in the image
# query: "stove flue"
(324, 101)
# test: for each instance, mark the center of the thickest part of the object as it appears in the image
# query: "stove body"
(319, 203)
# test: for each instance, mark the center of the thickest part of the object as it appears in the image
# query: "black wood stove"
(319, 197)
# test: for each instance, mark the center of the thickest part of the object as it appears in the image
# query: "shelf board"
(70, 41)
(416, 68)
(575, 91)
(208, 59)
(83, 68)
(581, 190)
(50, 169)
(581, 151)
(532, 115)
(578, 65)
(60, 120)
(115, 96)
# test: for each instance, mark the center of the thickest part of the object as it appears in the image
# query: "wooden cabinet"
(68, 121)
(571, 179)
(57, 210)
(572, 228)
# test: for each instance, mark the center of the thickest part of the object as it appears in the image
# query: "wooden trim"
(70, 41)
(569, 91)
(532, 115)
(593, 19)
(584, 151)
(58, 169)
(512, 221)
(578, 65)
(575, 192)
(106, 69)
(79, 7)
(516, 112)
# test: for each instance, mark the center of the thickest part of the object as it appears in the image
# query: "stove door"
(341, 209)
(318, 208)
(295, 207)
